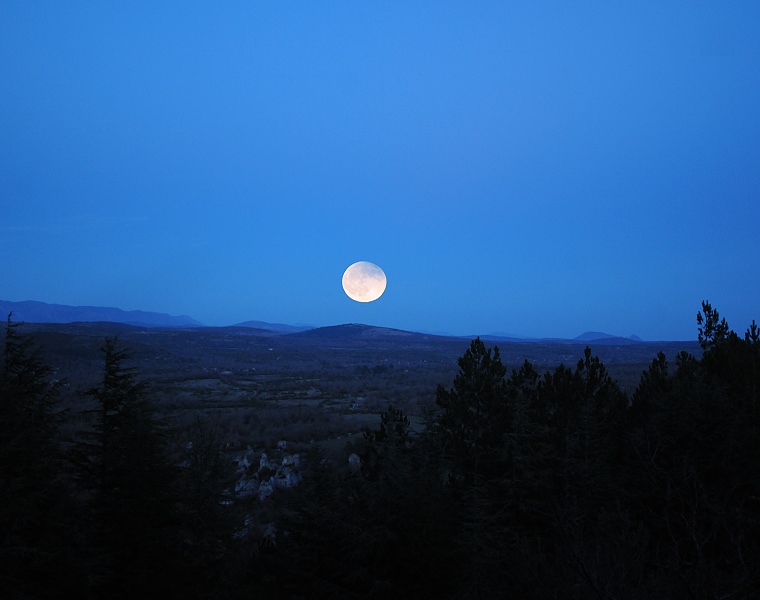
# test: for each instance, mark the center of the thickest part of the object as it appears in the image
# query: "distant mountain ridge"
(41, 312)
(353, 331)
(278, 327)
(605, 338)
(596, 337)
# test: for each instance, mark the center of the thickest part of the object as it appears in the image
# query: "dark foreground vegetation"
(521, 484)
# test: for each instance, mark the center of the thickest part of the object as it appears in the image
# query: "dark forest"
(534, 481)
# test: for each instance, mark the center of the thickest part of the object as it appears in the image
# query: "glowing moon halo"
(364, 281)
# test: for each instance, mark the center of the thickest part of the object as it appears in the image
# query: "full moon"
(364, 281)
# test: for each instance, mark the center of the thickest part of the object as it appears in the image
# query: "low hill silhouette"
(41, 312)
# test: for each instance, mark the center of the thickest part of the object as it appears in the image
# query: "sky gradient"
(541, 170)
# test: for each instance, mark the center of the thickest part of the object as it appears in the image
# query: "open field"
(260, 387)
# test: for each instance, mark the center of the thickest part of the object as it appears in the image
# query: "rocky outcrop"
(269, 476)
(354, 462)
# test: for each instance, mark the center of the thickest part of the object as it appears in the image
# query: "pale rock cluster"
(354, 462)
(269, 476)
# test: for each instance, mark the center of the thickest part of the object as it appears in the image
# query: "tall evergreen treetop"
(124, 465)
(476, 412)
(28, 399)
(35, 560)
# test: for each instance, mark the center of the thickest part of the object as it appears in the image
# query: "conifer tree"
(475, 415)
(34, 507)
(474, 429)
(123, 465)
(694, 434)
(384, 444)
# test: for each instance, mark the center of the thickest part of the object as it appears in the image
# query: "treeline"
(109, 515)
(553, 486)
(524, 485)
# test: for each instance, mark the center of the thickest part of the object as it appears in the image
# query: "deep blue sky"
(537, 168)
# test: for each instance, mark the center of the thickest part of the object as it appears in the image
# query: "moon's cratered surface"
(364, 281)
